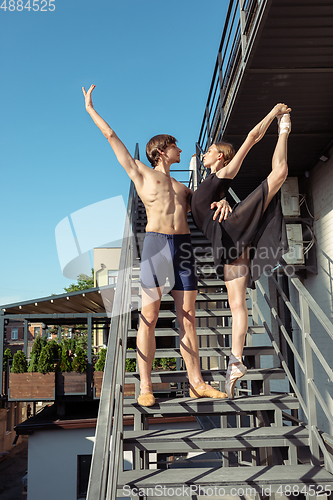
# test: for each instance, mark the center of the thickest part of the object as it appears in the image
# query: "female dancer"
(254, 234)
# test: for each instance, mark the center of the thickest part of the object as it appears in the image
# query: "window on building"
(14, 333)
(112, 277)
(83, 470)
(36, 331)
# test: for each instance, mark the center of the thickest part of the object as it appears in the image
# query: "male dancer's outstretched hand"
(87, 97)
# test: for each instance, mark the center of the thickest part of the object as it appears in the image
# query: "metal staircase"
(251, 447)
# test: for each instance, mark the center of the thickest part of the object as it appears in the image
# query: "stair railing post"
(208, 127)
(309, 375)
(242, 27)
(220, 77)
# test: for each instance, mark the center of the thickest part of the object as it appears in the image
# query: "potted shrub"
(98, 373)
(32, 385)
(7, 355)
(72, 382)
(130, 366)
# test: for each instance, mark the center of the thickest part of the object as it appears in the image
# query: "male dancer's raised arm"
(134, 168)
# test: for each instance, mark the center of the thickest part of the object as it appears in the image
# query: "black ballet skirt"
(247, 226)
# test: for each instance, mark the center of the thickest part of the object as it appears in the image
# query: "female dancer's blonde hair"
(227, 149)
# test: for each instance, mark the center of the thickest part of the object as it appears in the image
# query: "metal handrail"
(237, 38)
(105, 465)
(313, 394)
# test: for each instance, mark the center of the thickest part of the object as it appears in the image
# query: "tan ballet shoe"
(146, 399)
(236, 370)
(206, 393)
(284, 123)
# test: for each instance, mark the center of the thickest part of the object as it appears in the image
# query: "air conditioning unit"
(295, 240)
(290, 197)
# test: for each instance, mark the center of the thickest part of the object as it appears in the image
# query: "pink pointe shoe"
(206, 392)
(284, 123)
(236, 370)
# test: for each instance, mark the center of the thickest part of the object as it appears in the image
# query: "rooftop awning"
(95, 301)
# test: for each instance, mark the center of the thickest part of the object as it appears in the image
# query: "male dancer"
(167, 242)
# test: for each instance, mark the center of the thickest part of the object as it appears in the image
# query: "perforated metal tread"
(246, 404)
(182, 441)
(258, 477)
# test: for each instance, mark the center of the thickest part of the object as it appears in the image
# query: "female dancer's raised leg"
(236, 274)
(279, 161)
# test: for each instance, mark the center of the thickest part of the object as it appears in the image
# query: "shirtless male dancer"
(167, 202)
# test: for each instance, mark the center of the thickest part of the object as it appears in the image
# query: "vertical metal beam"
(25, 336)
(43, 330)
(309, 375)
(220, 76)
(59, 334)
(89, 367)
(2, 340)
(208, 127)
(242, 27)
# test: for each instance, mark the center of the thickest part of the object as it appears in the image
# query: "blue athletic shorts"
(168, 256)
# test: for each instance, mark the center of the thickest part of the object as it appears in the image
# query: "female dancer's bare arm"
(254, 136)
(131, 166)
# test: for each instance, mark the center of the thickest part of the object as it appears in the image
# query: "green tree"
(33, 365)
(19, 363)
(83, 282)
(65, 362)
(7, 355)
(55, 350)
(79, 361)
(46, 362)
(39, 343)
(99, 366)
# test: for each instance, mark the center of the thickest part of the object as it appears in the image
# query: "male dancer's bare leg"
(189, 346)
(145, 341)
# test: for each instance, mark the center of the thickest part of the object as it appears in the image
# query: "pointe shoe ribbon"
(284, 123)
(195, 392)
(146, 399)
(236, 370)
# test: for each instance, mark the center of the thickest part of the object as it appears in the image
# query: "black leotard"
(248, 225)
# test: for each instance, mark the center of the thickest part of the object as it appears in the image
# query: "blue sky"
(152, 64)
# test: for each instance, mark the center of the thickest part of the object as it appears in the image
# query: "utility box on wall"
(295, 240)
(290, 197)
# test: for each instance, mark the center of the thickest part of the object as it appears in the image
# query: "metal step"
(206, 282)
(201, 330)
(184, 441)
(201, 297)
(209, 375)
(205, 352)
(228, 480)
(199, 313)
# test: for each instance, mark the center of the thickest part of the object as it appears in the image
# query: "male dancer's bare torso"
(166, 201)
